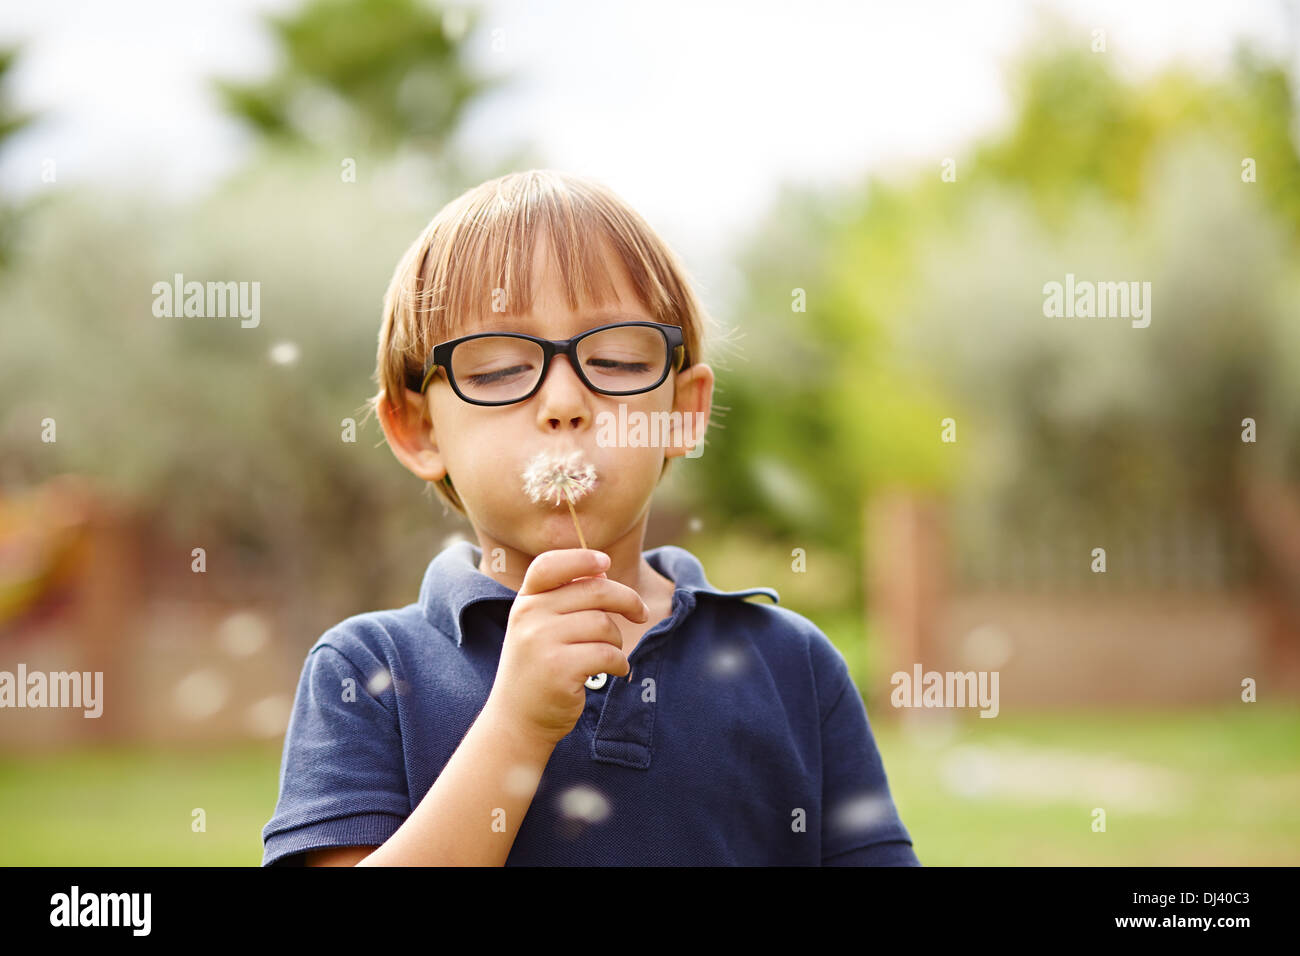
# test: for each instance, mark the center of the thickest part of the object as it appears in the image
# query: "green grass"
(132, 806)
(1233, 788)
(1235, 779)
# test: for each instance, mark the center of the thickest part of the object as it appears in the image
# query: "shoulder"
(361, 636)
(374, 644)
(781, 634)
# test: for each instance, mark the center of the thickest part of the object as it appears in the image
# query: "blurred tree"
(381, 74)
(1081, 132)
(11, 122)
(245, 440)
(924, 301)
(11, 119)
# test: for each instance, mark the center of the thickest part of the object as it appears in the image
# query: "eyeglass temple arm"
(428, 376)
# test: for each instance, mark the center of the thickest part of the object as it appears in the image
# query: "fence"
(1181, 614)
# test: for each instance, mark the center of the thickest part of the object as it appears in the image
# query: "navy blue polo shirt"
(741, 739)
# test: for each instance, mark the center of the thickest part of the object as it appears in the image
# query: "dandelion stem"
(578, 527)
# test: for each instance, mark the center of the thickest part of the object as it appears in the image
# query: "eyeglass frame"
(440, 357)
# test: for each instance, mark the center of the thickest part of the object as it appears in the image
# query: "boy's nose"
(561, 399)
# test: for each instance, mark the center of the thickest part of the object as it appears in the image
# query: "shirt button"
(597, 681)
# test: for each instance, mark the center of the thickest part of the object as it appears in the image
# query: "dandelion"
(566, 477)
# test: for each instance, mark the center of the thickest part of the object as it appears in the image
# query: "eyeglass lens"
(497, 368)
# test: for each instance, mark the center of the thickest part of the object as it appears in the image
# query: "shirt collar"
(453, 582)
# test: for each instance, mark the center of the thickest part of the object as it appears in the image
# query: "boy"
(546, 703)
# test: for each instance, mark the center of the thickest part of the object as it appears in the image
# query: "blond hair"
(483, 241)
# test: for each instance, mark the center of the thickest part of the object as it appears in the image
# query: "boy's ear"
(410, 436)
(693, 397)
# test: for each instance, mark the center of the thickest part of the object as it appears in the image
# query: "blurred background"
(904, 446)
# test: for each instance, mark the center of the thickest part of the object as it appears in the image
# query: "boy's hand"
(559, 633)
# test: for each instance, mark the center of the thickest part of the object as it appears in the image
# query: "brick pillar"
(906, 580)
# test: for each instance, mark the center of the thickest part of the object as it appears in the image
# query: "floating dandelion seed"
(584, 803)
(726, 661)
(284, 353)
(858, 813)
(566, 477)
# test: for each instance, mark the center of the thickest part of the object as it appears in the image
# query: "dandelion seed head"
(555, 474)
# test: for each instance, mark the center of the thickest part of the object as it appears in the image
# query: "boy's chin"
(553, 536)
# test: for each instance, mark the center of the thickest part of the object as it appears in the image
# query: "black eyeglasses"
(501, 368)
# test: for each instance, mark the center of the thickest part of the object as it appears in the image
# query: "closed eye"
(630, 366)
(487, 378)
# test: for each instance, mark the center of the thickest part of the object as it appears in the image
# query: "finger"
(551, 569)
(602, 594)
(588, 659)
(590, 627)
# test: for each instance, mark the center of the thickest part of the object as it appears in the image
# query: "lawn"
(1205, 787)
(1208, 787)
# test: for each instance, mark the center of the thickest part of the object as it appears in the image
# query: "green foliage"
(12, 121)
(925, 301)
(373, 73)
(193, 415)
(1082, 133)
(193, 418)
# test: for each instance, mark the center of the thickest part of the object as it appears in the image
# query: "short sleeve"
(860, 824)
(342, 775)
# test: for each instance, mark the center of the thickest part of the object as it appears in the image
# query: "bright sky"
(693, 110)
